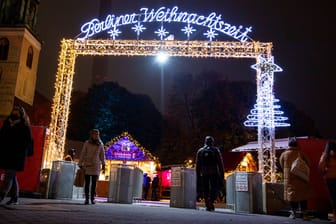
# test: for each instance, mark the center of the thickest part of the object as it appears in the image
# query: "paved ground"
(52, 211)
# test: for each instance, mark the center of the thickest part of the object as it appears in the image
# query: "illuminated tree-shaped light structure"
(266, 116)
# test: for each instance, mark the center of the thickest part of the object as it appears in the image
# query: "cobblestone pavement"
(54, 211)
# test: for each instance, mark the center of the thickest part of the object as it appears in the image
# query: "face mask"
(14, 117)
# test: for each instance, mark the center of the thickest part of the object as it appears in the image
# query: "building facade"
(19, 52)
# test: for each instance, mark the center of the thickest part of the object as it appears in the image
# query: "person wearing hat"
(209, 173)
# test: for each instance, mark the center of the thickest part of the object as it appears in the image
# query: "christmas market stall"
(125, 150)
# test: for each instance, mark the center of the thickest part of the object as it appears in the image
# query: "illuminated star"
(138, 28)
(188, 30)
(266, 66)
(210, 34)
(114, 33)
(161, 32)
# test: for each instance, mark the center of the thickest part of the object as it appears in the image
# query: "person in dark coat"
(16, 144)
(155, 186)
(146, 185)
(209, 173)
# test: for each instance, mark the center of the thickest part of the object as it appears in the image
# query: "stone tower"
(19, 52)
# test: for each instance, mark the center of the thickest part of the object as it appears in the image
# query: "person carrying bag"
(297, 189)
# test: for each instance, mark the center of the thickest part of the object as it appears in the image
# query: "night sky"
(299, 30)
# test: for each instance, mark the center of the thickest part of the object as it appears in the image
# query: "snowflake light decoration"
(161, 32)
(138, 28)
(188, 30)
(114, 32)
(210, 34)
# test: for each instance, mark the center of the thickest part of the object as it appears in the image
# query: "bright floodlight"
(162, 57)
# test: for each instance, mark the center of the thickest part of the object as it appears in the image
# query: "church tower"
(19, 52)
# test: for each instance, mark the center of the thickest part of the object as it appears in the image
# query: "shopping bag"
(79, 178)
(300, 168)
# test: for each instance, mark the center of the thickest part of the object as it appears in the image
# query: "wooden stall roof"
(125, 147)
(280, 144)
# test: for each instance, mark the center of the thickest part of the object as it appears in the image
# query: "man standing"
(210, 172)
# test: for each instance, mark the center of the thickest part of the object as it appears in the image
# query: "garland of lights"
(175, 48)
(70, 49)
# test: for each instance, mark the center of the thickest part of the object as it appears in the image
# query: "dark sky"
(300, 31)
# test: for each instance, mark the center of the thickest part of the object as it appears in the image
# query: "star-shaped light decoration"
(210, 34)
(188, 30)
(161, 32)
(114, 33)
(266, 65)
(138, 28)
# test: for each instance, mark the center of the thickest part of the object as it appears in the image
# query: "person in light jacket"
(91, 159)
(296, 190)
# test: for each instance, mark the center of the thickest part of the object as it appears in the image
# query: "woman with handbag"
(91, 157)
(327, 166)
(297, 190)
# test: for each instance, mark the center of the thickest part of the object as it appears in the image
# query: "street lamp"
(162, 58)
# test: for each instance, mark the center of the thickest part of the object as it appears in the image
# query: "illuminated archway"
(265, 115)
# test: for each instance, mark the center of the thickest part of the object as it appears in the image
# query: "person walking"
(16, 144)
(297, 191)
(327, 166)
(92, 156)
(209, 172)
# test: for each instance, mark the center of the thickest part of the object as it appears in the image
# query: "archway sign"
(265, 115)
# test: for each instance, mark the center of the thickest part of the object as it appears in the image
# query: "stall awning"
(280, 144)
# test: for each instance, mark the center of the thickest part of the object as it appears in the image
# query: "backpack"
(208, 156)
